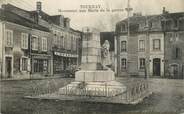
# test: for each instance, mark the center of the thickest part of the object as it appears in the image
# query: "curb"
(44, 78)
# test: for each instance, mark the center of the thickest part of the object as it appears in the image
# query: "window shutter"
(28, 65)
(180, 53)
(21, 64)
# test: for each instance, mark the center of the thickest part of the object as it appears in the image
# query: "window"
(61, 41)
(123, 46)
(168, 24)
(65, 41)
(40, 65)
(74, 43)
(123, 28)
(177, 53)
(58, 39)
(24, 64)
(141, 63)
(44, 44)
(181, 23)
(123, 64)
(34, 42)
(68, 42)
(141, 45)
(150, 24)
(156, 44)
(24, 41)
(9, 38)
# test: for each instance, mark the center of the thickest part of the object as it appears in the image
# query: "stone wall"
(132, 61)
(174, 40)
(17, 52)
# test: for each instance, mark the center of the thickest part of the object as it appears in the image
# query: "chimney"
(164, 11)
(67, 22)
(61, 20)
(38, 6)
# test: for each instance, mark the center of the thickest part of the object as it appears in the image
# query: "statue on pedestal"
(106, 62)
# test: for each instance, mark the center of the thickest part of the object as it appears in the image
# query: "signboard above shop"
(65, 54)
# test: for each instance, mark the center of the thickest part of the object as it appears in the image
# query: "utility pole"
(128, 9)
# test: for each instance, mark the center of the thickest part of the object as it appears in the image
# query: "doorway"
(156, 67)
(8, 64)
(175, 71)
(66, 63)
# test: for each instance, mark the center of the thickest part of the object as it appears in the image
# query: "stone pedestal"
(94, 76)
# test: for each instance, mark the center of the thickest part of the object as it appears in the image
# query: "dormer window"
(175, 23)
(155, 24)
(150, 24)
(123, 28)
(168, 24)
(181, 23)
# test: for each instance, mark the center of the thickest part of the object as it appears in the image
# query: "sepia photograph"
(91, 56)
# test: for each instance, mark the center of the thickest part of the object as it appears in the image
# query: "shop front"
(41, 65)
(63, 61)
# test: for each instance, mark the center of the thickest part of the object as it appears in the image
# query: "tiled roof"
(14, 18)
(136, 22)
(30, 19)
(138, 19)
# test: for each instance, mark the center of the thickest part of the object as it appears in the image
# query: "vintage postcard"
(91, 56)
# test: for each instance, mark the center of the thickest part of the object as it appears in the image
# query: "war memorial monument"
(95, 81)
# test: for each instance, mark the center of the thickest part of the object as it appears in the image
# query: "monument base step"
(94, 76)
(100, 89)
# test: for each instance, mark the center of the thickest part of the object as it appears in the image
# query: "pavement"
(33, 78)
(168, 98)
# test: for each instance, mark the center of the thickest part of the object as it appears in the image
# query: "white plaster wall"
(157, 36)
(157, 54)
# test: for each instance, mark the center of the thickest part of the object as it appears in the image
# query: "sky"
(104, 21)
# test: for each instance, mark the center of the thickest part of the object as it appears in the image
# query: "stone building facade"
(36, 44)
(65, 41)
(25, 45)
(154, 47)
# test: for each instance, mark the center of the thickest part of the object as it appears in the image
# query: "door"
(175, 71)
(8, 65)
(156, 67)
(66, 63)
